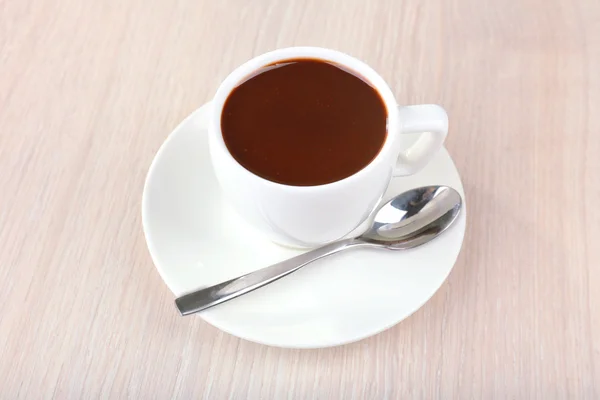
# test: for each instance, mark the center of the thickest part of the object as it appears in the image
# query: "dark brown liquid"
(304, 122)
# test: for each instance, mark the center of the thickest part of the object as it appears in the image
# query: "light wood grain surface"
(90, 89)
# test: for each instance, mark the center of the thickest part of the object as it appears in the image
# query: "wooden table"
(90, 89)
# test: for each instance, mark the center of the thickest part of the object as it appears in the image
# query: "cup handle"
(431, 121)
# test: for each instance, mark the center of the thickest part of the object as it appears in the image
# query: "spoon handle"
(211, 296)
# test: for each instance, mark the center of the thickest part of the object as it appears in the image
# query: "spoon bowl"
(408, 220)
(413, 218)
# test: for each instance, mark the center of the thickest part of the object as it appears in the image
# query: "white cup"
(308, 216)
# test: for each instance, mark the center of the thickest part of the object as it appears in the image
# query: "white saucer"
(194, 242)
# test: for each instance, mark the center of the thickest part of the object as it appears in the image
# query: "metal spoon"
(408, 220)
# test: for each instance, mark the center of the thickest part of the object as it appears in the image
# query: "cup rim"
(242, 72)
